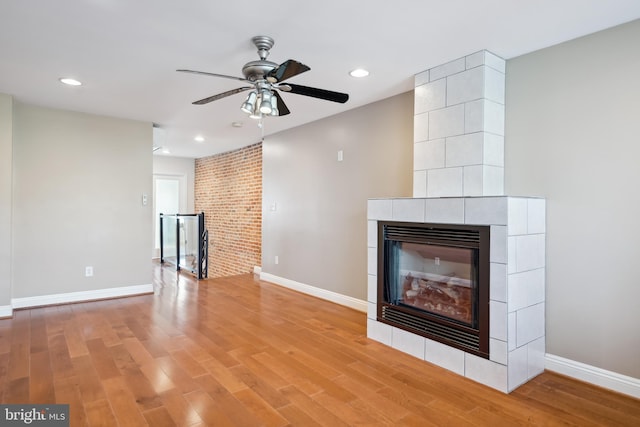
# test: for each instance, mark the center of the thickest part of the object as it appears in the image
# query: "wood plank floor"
(239, 352)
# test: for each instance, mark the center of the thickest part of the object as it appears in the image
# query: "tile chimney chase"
(458, 178)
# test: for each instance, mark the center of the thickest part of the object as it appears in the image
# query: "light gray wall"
(6, 126)
(572, 136)
(319, 228)
(77, 201)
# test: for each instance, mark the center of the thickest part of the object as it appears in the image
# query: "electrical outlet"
(276, 259)
(88, 271)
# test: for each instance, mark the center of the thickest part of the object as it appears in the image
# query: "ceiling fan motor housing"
(257, 70)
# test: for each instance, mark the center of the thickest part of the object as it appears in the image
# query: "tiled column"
(459, 128)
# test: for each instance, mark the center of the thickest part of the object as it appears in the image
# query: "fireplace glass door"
(441, 280)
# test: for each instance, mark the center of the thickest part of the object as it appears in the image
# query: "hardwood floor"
(239, 352)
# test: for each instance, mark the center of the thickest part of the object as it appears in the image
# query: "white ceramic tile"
(472, 183)
(493, 118)
(448, 210)
(536, 355)
(484, 115)
(408, 210)
(474, 116)
(498, 244)
(464, 150)
(379, 209)
(372, 234)
(372, 310)
(430, 96)
(421, 127)
(444, 356)
(465, 86)
(530, 252)
(498, 282)
(511, 319)
(494, 83)
(378, 331)
(485, 372)
(447, 69)
(529, 324)
(408, 343)
(492, 180)
(525, 289)
(448, 121)
(420, 183)
(372, 261)
(420, 157)
(493, 150)
(498, 351)
(444, 182)
(421, 78)
(517, 216)
(498, 320)
(494, 61)
(474, 60)
(429, 154)
(511, 255)
(372, 288)
(536, 216)
(518, 367)
(486, 210)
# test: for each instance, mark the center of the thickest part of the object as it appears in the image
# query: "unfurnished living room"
(334, 213)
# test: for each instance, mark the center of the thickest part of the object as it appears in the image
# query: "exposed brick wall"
(228, 189)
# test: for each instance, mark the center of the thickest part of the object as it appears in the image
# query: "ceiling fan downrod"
(264, 44)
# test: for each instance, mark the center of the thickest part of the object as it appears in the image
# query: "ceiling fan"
(264, 79)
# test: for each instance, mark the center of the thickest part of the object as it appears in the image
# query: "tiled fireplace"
(458, 179)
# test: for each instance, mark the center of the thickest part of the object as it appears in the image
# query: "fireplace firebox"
(433, 280)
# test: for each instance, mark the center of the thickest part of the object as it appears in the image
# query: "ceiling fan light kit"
(264, 79)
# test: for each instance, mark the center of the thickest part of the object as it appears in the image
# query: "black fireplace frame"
(474, 340)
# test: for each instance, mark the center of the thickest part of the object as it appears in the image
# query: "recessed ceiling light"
(199, 138)
(70, 82)
(359, 72)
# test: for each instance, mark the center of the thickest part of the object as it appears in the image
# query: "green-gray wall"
(319, 227)
(78, 181)
(572, 136)
(6, 131)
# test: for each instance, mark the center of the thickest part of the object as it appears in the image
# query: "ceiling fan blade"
(286, 70)
(282, 107)
(221, 95)
(242, 79)
(317, 93)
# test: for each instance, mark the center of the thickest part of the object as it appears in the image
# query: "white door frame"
(182, 201)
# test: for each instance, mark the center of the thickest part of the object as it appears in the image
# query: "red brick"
(228, 189)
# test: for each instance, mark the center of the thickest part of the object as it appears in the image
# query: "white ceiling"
(126, 52)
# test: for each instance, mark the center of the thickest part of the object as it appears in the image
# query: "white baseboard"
(98, 294)
(335, 297)
(6, 311)
(593, 375)
(257, 270)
